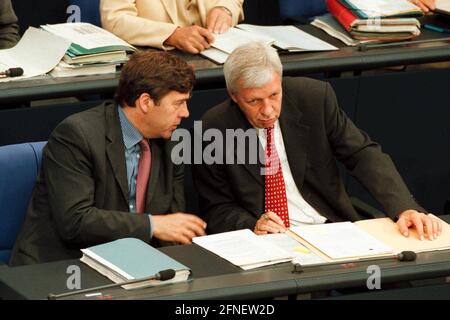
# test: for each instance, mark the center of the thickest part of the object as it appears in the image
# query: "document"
(244, 249)
(225, 43)
(342, 240)
(331, 26)
(289, 38)
(301, 253)
(37, 53)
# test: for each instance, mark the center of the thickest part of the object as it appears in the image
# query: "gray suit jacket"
(81, 195)
(316, 133)
(9, 29)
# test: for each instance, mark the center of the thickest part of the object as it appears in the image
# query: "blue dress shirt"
(131, 139)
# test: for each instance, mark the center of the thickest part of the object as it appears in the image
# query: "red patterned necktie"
(143, 175)
(275, 189)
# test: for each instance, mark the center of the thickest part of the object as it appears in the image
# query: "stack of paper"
(331, 26)
(131, 259)
(64, 69)
(244, 249)
(90, 45)
(377, 20)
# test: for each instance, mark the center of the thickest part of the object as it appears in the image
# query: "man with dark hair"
(107, 172)
(9, 29)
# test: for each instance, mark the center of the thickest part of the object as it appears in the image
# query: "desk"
(215, 278)
(210, 75)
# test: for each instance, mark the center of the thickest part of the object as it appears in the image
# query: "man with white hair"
(301, 132)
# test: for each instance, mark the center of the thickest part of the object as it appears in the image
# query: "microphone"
(165, 275)
(162, 275)
(407, 256)
(12, 72)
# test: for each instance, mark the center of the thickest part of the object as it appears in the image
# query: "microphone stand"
(52, 296)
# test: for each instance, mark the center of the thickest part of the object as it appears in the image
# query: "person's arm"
(121, 18)
(218, 206)
(235, 7)
(223, 14)
(70, 179)
(365, 160)
(9, 29)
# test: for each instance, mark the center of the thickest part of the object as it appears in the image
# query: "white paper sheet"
(243, 248)
(37, 53)
(235, 38)
(289, 38)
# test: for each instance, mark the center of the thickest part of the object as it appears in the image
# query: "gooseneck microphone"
(407, 256)
(162, 275)
(12, 72)
(165, 275)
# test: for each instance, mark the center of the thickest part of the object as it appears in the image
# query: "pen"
(433, 27)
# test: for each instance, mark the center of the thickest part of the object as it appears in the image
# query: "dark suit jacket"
(81, 195)
(316, 132)
(9, 29)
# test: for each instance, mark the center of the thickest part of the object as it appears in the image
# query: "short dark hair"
(156, 73)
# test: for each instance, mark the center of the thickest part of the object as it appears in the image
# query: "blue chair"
(19, 166)
(292, 9)
(90, 10)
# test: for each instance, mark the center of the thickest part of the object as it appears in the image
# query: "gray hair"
(251, 66)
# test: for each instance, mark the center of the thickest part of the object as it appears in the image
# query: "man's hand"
(218, 20)
(193, 39)
(177, 227)
(426, 225)
(425, 5)
(269, 222)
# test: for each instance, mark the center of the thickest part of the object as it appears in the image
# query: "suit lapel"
(156, 154)
(295, 138)
(171, 9)
(115, 149)
(240, 122)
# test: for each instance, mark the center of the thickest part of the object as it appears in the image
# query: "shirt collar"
(131, 136)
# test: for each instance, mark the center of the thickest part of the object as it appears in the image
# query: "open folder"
(365, 239)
